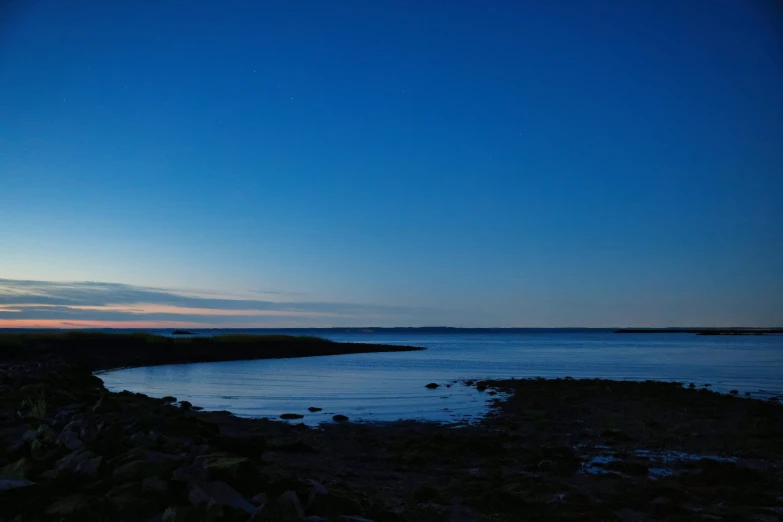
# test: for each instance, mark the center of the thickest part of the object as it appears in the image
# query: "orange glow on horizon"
(60, 323)
(151, 308)
(147, 308)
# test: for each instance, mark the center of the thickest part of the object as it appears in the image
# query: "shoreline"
(585, 449)
(702, 331)
(98, 351)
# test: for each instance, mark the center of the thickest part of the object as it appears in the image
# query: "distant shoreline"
(106, 351)
(738, 330)
(702, 331)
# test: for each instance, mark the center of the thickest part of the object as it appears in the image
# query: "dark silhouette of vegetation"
(102, 351)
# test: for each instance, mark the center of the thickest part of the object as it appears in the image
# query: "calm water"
(390, 386)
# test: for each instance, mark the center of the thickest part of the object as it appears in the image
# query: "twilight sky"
(391, 163)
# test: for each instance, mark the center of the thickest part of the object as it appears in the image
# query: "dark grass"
(102, 350)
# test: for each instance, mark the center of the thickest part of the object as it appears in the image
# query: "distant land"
(739, 330)
(115, 349)
(703, 331)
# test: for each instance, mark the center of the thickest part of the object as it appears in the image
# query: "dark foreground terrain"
(552, 450)
(103, 351)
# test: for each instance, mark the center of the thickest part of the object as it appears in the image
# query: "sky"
(391, 163)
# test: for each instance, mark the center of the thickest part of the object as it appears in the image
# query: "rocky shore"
(548, 450)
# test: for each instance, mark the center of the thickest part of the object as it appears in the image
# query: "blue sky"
(391, 163)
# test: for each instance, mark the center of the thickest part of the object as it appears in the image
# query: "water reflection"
(390, 386)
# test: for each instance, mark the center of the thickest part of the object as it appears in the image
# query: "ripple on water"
(390, 386)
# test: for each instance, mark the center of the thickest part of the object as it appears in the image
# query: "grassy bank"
(101, 351)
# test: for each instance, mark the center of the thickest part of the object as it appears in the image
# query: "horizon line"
(80, 327)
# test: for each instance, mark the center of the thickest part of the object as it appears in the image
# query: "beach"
(581, 449)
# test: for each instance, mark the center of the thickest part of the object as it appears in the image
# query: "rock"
(45, 434)
(220, 494)
(89, 467)
(89, 432)
(432, 385)
(192, 514)
(292, 445)
(50, 474)
(29, 435)
(140, 469)
(259, 499)
(289, 506)
(19, 469)
(734, 392)
(630, 515)
(223, 463)
(39, 451)
(340, 418)
(426, 494)
(169, 398)
(139, 438)
(154, 484)
(291, 416)
(157, 456)
(239, 472)
(760, 517)
(15, 437)
(85, 430)
(616, 436)
(314, 409)
(67, 412)
(70, 440)
(72, 461)
(6, 484)
(64, 393)
(557, 498)
(330, 503)
(249, 446)
(98, 406)
(190, 473)
(316, 489)
(71, 504)
(185, 405)
(126, 496)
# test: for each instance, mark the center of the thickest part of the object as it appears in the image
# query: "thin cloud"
(116, 303)
(278, 292)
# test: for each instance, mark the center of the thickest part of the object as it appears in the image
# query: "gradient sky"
(391, 163)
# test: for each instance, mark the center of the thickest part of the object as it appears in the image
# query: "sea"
(376, 387)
